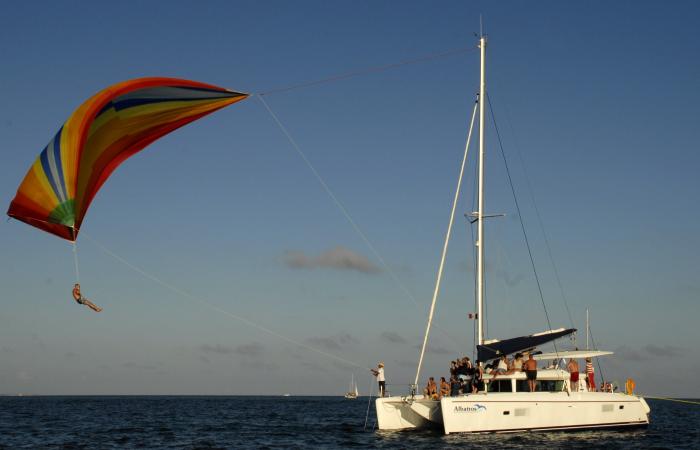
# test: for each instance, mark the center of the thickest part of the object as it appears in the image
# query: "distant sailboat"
(352, 392)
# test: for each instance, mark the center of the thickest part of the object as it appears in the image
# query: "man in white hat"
(379, 373)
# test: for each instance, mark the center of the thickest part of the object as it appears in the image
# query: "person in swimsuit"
(78, 297)
(590, 375)
(530, 368)
(444, 388)
(573, 370)
(430, 390)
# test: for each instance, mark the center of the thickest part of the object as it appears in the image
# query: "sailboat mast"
(480, 212)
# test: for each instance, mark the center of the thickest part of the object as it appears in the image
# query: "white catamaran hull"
(402, 413)
(509, 412)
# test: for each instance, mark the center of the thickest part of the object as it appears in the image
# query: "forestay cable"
(373, 69)
(215, 307)
(444, 247)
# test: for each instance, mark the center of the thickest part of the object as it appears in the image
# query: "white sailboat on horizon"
(502, 404)
(352, 393)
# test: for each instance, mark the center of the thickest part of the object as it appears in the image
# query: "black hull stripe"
(625, 425)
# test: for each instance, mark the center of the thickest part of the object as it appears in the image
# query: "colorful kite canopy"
(103, 132)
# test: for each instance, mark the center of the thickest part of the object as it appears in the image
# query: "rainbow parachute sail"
(103, 132)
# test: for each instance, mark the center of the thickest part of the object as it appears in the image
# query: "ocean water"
(284, 422)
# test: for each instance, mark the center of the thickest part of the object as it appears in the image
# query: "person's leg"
(91, 305)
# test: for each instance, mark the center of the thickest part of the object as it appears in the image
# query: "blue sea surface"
(284, 422)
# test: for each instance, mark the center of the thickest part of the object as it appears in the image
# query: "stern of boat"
(404, 413)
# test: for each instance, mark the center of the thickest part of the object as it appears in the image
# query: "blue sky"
(597, 107)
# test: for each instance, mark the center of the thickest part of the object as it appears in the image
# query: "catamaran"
(352, 393)
(504, 403)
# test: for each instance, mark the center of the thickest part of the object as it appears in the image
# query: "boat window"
(500, 386)
(540, 386)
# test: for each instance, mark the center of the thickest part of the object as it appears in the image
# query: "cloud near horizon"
(339, 258)
(336, 342)
(648, 352)
(437, 349)
(252, 350)
(393, 337)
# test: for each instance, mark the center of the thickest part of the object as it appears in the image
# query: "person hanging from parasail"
(78, 297)
(108, 128)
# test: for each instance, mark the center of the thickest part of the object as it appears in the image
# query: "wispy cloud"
(405, 363)
(339, 258)
(316, 367)
(343, 366)
(437, 349)
(252, 350)
(393, 337)
(218, 348)
(260, 365)
(665, 351)
(630, 354)
(333, 342)
(138, 366)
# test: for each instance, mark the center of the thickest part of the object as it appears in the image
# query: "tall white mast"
(587, 329)
(480, 212)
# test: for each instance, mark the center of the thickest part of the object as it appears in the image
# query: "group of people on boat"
(504, 366)
(466, 377)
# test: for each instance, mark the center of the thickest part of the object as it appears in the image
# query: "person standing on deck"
(590, 375)
(478, 378)
(573, 370)
(455, 386)
(530, 368)
(379, 373)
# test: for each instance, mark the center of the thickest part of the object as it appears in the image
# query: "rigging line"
(214, 307)
(539, 220)
(522, 224)
(672, 400)
(344, 210)
(600, 367)
(369, 399)
(448, 234)
(75, 262)
(372, 69)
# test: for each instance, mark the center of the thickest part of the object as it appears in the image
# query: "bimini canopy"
(576, 354)
(495, 348)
